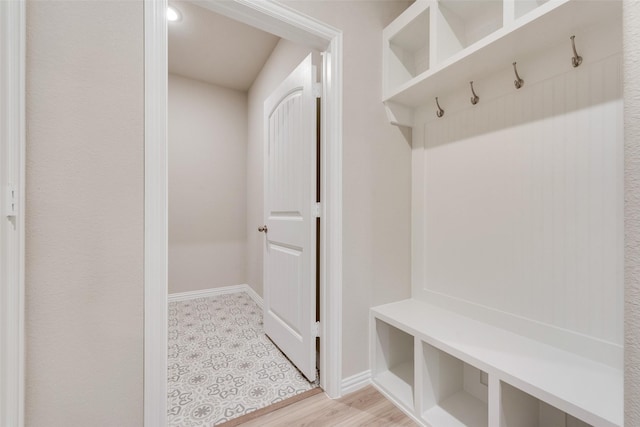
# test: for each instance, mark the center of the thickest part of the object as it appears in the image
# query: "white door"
(290, 235)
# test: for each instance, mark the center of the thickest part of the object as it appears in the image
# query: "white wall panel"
(523, 202)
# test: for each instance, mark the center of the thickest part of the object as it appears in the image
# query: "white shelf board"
(548, 24)
(398, 381)
(586, 389)
(458, 410)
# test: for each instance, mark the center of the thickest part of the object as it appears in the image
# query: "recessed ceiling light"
(172, 14)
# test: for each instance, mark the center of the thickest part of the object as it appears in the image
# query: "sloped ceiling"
(212, 48)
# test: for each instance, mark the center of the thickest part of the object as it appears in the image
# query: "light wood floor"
(365, 407)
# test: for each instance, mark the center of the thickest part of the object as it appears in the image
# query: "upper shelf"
(437, 45)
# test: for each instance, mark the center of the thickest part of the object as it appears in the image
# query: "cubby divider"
(520, 409)
(394, 367)
(522, 7)
(454, 393)
(406, 47)
(409, 50)
(461, 23)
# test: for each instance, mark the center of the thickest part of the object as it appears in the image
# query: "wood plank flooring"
(365, 407)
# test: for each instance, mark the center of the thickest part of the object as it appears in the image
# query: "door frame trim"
(155, 213)
(12, 253)
(292, 25)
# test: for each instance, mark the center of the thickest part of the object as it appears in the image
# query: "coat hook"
(518, 82)
(440, 111)
(475, 98)
(577, 59)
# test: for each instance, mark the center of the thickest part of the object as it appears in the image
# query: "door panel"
(290, 240)
(285, 306)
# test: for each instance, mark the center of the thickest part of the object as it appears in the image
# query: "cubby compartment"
(394, 363)
(461, 23)
(408, 50)
(522, 7)
(520, 409)
(455, 394)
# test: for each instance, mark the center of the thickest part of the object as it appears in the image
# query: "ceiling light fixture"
(172, 14)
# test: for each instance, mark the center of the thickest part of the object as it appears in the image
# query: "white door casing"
(12, 211)
(288, 23)
(290, 232)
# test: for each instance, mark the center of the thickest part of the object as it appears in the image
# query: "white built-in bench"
(445, 369)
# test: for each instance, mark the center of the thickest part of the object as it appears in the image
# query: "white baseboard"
(356, 382)
(254, 295)
(182, 296)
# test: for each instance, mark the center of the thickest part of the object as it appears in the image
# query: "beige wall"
(207, 185)
(84, 222)
(631, 35)
(84, 242)
(376, 175)
(85, 200)
(376, 172)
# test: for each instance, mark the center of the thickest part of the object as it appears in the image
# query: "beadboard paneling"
(522, 208)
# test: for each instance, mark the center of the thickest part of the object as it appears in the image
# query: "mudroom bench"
(445, 369)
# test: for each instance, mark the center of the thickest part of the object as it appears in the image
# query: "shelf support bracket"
(401, 116)
(398, 114)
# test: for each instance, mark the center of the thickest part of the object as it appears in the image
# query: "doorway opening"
(283, 22)
(240, 302)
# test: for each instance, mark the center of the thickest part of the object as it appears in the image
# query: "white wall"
(84, 214)
(518, 201)
(207, 185)
(631, 35)
(376, 174)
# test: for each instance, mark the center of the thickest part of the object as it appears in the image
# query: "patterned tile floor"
(221, 364)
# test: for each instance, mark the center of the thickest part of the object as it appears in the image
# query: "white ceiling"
(212, 48)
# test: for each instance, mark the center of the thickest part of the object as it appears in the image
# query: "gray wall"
(207, 185)
(631, 34)
(84, 241)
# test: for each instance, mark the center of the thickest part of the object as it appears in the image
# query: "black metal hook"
(475, 98)
(577, 59)
(518, 82)
(440, 111)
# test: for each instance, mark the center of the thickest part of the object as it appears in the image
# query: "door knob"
(263, 229)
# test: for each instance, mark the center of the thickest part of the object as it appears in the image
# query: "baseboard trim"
(355, 382)
(204, 293)
(254, 295)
